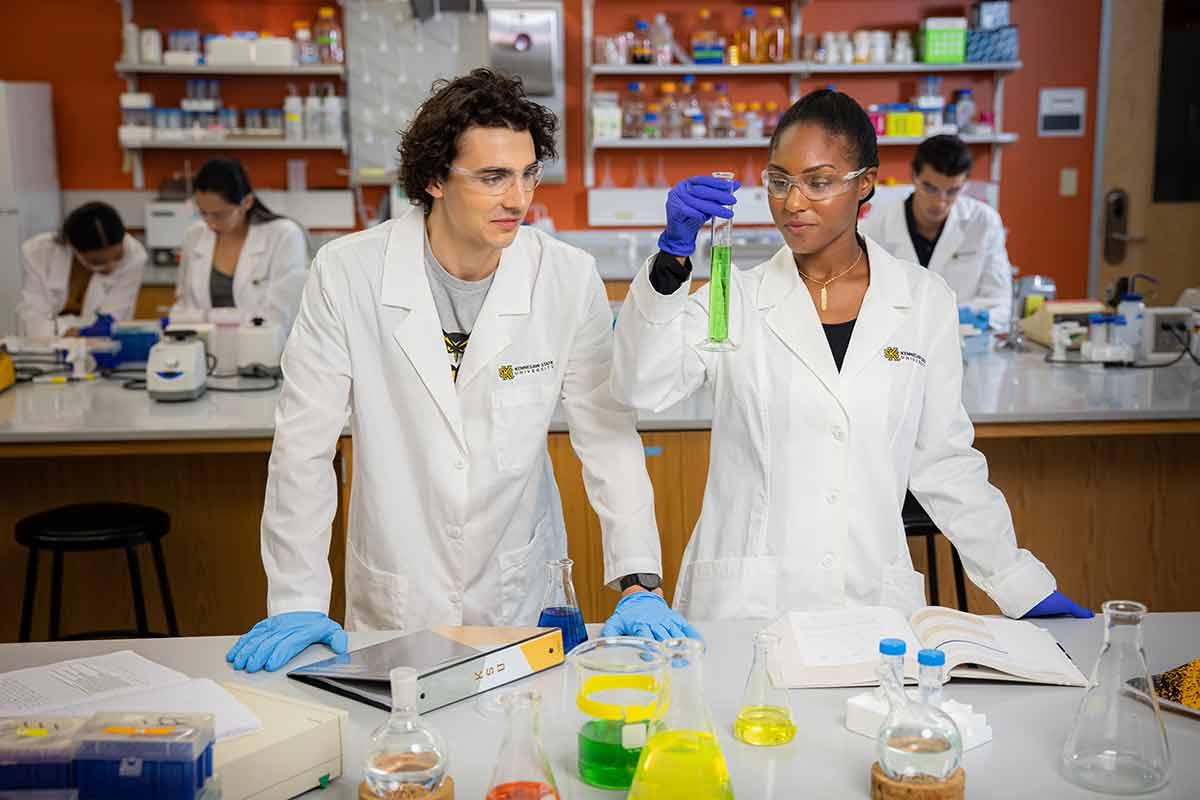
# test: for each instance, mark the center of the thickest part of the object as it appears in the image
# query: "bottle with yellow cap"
(776, 38)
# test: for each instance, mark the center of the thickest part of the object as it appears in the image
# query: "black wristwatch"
(647, 580)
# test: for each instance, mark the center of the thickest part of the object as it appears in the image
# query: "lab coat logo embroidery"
(509, 372)
(891, 353)
(506, 372)
(895, 354)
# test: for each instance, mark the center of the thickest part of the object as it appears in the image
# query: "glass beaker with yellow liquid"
(720, 275)
(682, 759)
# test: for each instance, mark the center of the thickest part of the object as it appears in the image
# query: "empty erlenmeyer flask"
(682, 760)
(522, 771)
(1118, 744)
(765, 717)
(406, 757)
(560, 608)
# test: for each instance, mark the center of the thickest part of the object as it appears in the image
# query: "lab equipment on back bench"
(177, 368)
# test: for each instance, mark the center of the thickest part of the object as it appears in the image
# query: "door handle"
(1116, 226)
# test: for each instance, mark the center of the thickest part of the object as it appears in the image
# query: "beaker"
(916, 742)
(617, 686)
(682, 759)
(560, 608)
(406, 757)
(522, 771)
(765, 717)
(720, 265)
(1118, 744)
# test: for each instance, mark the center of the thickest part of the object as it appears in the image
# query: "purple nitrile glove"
(647, 615)
(691, 203)
(1058, 604)
(277, 640)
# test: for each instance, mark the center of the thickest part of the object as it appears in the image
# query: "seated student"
(240, 255)
(87, 273)
(955, 236)
(845, 390)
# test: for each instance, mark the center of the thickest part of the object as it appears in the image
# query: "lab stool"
(917, 523)
(94, 526)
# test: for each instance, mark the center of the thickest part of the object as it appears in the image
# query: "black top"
(838, 335)
(220, 286)
(923, 246)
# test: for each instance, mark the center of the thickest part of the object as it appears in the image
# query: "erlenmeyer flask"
(560, 608)
(682, 760)
(522, 771)
(765, 717)
(916, 742)
(406, 757)
(1118, 744)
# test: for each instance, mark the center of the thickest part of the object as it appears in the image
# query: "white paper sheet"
(121, 681)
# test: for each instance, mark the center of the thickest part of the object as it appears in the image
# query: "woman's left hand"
(1058, 604)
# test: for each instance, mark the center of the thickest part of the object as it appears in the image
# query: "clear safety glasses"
(496, 181)
(816, 187)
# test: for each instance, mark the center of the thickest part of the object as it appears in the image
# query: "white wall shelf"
(800, 68)
(707, 144)
(238, 144)
(316, 70)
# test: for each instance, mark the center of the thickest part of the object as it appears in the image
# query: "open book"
(841, 648)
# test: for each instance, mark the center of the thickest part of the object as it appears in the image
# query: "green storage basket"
(943, 45)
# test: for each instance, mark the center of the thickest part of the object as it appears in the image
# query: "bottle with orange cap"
(777, 39)
(331, 43)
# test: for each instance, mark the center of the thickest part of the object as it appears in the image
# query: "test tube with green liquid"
(720, 264)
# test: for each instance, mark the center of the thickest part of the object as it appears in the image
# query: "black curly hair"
(482, 99)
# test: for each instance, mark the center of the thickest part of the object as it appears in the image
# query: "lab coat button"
(455, 598)
(460, 464)
(455, 532)
(827, 561)
(838, 433)
(831, 498)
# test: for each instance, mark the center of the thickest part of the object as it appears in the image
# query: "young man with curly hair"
(448, 336)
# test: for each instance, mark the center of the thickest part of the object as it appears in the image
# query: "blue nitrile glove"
(691, 203)
(101, 327)
(969, 316)
(277, 640)
(1057, 604)
(647, 615)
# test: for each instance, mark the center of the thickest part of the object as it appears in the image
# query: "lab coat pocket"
(903, 588)
(520, 569)
(375, 599)
(730, 588)
(520, 419)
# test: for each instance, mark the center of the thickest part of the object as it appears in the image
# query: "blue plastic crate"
(145, 757)
(37, 752)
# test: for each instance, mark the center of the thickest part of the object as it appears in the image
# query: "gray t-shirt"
(220, 286)
(458, 303)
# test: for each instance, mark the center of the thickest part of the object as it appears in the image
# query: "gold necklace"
(824, 293)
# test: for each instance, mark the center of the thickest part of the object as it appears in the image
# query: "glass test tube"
(720, 264)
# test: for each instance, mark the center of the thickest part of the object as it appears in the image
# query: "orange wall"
(1059, 47)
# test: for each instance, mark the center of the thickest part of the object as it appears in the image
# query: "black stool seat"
(95, 526)
(917, 522)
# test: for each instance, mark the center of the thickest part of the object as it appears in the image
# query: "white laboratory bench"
(823, 761)
(1099, 468)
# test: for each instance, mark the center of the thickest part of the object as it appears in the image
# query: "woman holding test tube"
(844, 390)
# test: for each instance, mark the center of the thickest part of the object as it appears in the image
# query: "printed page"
(1018, 649)
(55, 686)
(837, 648)
(197, 696)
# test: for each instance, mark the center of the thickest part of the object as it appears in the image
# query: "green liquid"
(718, 293)
(764, 726)
(603, 760)
(681, 765)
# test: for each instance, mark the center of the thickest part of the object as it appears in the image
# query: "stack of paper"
(122, 681)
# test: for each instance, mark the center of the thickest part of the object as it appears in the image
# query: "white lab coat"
(970, 254)
(808, 466)
(268, 279)
(44, 286)
(454, 509)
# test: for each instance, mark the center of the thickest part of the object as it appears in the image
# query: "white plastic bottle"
(333, 113)
(314, 115)
(1133, 308)
(965, 111)
(293, 115)
(663, 39)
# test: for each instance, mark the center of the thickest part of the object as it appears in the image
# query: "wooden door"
(1161, 238)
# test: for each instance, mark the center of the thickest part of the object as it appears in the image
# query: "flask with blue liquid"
(560, 608)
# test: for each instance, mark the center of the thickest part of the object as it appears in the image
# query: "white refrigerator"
(30, 201)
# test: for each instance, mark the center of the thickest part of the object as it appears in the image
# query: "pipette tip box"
(151, 756)
(37, 752)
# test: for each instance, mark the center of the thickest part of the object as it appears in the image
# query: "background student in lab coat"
(452, 333)
(83, 277)
(240, 254)
(844, 391)
(956, 236)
